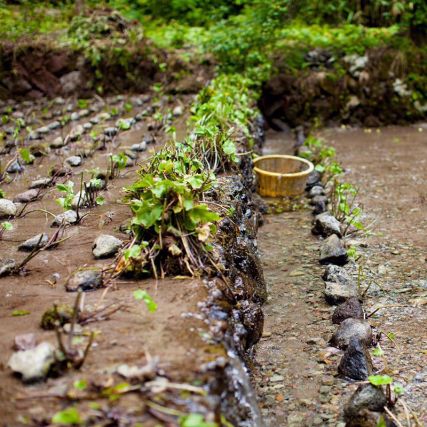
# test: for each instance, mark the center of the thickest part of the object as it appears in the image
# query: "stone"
(139, 147)
(27, 196)
(352, 308)
(54, 125)
(350, 328)
(41, 183)
(326, 224)
(7, 266)
(87, 126)
(178, 111)
(110, 131)
(105, 246)
(74, 161)
(74, 116)
(7, 208)
(332, 251)
(68, 217)
(15, 167)
(336, 293)
(367, 396)
(35, 242)
(335, 273)
(76, 133)
(88, 279)
(319, 206)
(317, 190)
(43, 130)
(33, 364)
(149, 139)
(24, 342)
(58, 142)
(80, 200)
(312, 180)
(356, 362)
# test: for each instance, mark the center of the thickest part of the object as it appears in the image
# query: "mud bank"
(372, 89)
(191, 349)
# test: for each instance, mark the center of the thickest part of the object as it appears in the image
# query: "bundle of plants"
(173, 221)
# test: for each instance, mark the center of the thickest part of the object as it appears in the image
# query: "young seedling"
(5, 226)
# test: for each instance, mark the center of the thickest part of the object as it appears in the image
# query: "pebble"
(7, 209)
(110, 131)
(74, 161)
(88, 279)
(41, 183)
(35, 242)
(15, 167)
(326, 224)
(350, 328)
(58, 142)
(7, 266)
(67, 217)
(332, 251)
(33, 364)
(352, 308)
(356, 362)
(105, 246)
(76, 133)
(139, 147)
(27, 196)
(24, 342)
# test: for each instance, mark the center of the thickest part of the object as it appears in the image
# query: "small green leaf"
(398, 389)
(80, 385)
(378, 351)
(67, 416)
(7, 226)
(100, 200)
(140, 294)
(378, 380)
(17, 313)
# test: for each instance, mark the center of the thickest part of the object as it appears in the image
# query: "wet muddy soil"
(389, 166)
(176, 335)
(296, 371)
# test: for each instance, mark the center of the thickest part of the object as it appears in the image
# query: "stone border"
(354, 334)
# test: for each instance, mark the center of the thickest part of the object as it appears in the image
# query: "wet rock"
(105, 246)
(319, 206)
(43, 130)
(80, 200)
(41, 183)
(316, 200)
(317, 190)
(352, 328)
(352, 308)
(27, 196)
(335, 273)
(178, 111)
(54, 125)
(332, 251)
(326, 224)
(110, 131)
(76, 133)
(313, 179)
(15, 167)
(149, 139)
(58, 142)
(336, 293)
(24, 342)
(68, 217)
(367, 397)
(35, 242)
(88, 279)
(61, 313)
(356, 362)
(139, 147)
(33, 364)
(7, 266)
(7, 208)
(33, 135)
(74, 161)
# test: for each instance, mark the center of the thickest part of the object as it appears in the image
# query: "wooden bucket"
(282, 175)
